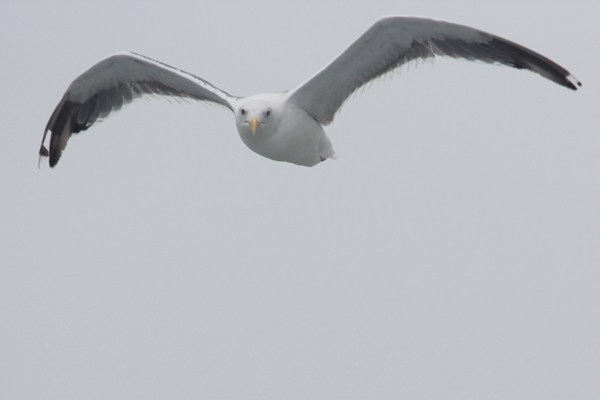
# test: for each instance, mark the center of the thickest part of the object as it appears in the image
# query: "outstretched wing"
(394, 41)
(115, 81)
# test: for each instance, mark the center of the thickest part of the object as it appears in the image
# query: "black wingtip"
(572, 82)
(53, 161)
(44, 151)
(523, 58)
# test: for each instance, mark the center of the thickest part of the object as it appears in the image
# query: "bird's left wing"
(115, 81)
(394, 41)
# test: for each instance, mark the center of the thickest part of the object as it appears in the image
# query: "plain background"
(451, 252)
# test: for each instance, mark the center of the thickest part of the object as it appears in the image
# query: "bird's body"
(287, 126)
(288, 133)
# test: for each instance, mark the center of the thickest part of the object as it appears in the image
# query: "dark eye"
(243, 111)
(268, 112)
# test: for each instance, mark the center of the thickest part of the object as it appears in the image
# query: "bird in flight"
(287, 126)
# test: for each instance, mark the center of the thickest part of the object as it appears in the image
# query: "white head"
(257, 117)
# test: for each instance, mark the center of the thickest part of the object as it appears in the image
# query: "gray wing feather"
(114, 82)
(394, 41)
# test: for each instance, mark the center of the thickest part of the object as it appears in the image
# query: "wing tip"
(42, 153)
(573, 83)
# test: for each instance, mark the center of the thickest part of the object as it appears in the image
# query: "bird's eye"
(268, 112)
(243, 111)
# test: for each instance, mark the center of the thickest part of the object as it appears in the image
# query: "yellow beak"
(254, 124)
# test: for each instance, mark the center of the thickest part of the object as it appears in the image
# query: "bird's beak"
(254, 124)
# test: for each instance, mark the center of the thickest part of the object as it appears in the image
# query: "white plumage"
(287, 126)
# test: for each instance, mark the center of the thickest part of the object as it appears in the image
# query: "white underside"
(298, 139)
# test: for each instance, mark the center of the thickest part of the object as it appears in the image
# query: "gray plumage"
(114, 82)
(390, 43)
(394, 41)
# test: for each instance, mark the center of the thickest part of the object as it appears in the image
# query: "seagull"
(287, 126)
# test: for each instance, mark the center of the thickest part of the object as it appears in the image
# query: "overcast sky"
(451, 252)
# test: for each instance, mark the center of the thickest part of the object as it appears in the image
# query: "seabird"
(288, 126)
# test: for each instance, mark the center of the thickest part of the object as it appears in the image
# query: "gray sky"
(451, 252)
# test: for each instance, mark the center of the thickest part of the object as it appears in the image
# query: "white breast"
(291, 135)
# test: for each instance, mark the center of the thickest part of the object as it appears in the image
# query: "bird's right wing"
(115, 81)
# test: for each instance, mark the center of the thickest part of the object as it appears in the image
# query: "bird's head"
(256, 117)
